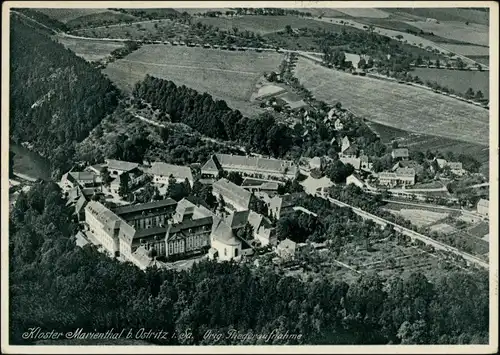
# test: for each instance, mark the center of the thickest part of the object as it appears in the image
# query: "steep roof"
(256, 164)
(223, 233)
(80, 204)
(120, 165)
(212, 165)
(355, 162)
(232, 192)
(237, 219)
(144, 206)
(188, 224)
(407, 172)
(82, 175)
(400, 153)
(177, 171)
(110, 220)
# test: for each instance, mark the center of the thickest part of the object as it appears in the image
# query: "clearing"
(226, 75)
(466, 49)
(443, 14)
(402, 106)
(420, 217)
(91, 50)
(458, 80)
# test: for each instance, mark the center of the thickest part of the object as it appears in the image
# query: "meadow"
(66, 15)
(266, 24)
(226, 75)
(88, 49)
(459, 31)
(466, 49)
(401, 106)
(443, 14)
(458, 80)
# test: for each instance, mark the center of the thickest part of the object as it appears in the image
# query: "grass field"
(458, 80)
(465, 49)
(482, 59)
(100, 19)
(88, 49)
(459, 31)
(405, 107)
(266, 24)
(230, 76)
(65, 15)
(420, 217)
(443, 14)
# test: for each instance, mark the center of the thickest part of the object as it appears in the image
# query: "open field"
(479, 230)
(265, 24)
(458, 80)
(482, 59)
(230, 76)
(88, 49)
(65, 15)
(459, 31)
(402, 106)
(419, 217)
(364, 12)
(443, 14)
(100, 19)
(466, 49)
(442, 228)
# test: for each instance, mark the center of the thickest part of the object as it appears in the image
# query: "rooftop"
(233, 192)
(104, 215)
(223, 233)
(177, 171)
(82, 175)
(120, 165)
(256, 164)
(121, 210)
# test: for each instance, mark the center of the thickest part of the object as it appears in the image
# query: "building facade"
(104, 226)
(483, 207)
(147, 215)
(162, 172)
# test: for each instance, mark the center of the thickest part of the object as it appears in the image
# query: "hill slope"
(56, 98)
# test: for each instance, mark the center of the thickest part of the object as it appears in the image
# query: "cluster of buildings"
(166, 230)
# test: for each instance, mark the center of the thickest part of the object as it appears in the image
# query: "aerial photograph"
(247, 176)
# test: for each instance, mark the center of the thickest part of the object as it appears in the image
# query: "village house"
(419, 169)
(249, 166)
(73, 179)
(347, 149)
(162, 172)
(286, 250)
(104, 226)
(118, 167)
(280, 206)
(233, 195)
(402, 176)
(483, 207)
(147, 215)
(355, 179)
(262, 229)
(399, 153)
(455, 167)
(135, 178)
(316, 163)
(365, 164)
(355, 162)
(96, 169)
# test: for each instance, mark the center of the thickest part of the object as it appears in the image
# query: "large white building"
(249, 166)
(104, 226)
(402, 176)
(162, 172)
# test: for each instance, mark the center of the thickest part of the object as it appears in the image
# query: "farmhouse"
(147, 215)
(249, 166)
(262, 229)
(162, 172)
(399, 153)
(96, 169)
(118, 167)
(483, 207)
(402, 176)
(419, 169)
(455, 167)
(78, 178)
(237, 197)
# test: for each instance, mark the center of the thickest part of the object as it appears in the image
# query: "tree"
(106, 177)
(235, 177)
(11, 163)
(469, 94)
(362, 63)
(124, 185)
(479, 95)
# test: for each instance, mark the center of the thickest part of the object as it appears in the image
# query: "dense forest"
(56, 285)
(213, 118)
(56, 98)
